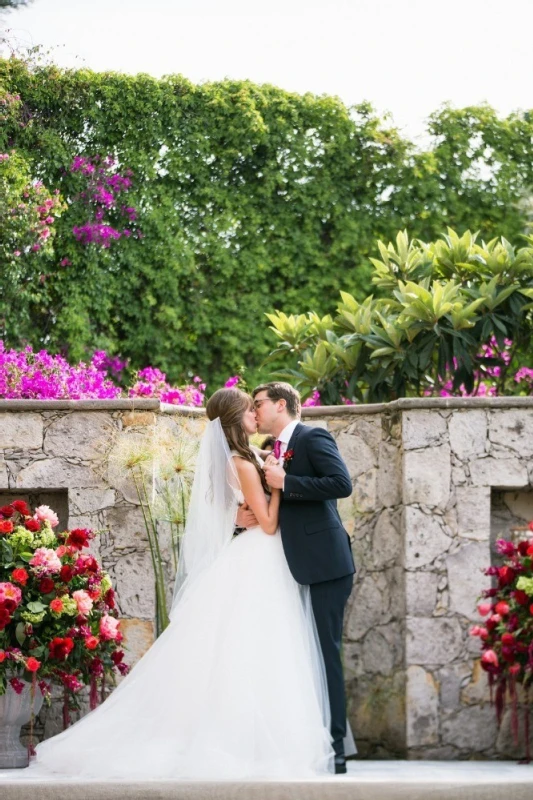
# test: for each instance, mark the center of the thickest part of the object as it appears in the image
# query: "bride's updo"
(230, 405)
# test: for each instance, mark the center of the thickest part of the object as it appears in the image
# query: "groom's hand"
(245, 517)
(275, 475)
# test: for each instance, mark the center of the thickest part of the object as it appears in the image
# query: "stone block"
(133, 578)
(472, 729)
(377, 713)
(389, 485)
(367, 428)
(503, 473)
(386, 539)
(86, 501)
(468, 433)
(382, 651)
(512, 429)
(21, 431)
(139, 635)
(359, 457)
(451, 679)
(505, 743)
(56, 473)
(473, 512)
(370, 606)
(4, 475)
(466, 580)
(426, 477)
(127, 528)
(364, 492)
(82, 435)
(477, 690)
(422, 708)
(424, 536)
(520, 504)
(138, 419)
(421, 593)
(435, 640)
(422, 429)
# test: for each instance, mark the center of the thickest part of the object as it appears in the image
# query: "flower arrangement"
(506, 634)
(39, 375)
(58, 621)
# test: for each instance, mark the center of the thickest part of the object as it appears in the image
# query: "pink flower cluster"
(39, 375)
(101, 196)
(11, 593)
(151, 382)
(483, 378)
(45, 561)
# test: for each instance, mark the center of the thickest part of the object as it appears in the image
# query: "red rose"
(3, 655)
(521, 597)
(9, 604)
(7, 511)
(5, 618)
(66, 573)
(502, 608)
(79, 538)
(109, 598)
(522, 547)
(508, 639)
(117, 656)
(92, 642)
(32, 665)
(20, 576)
(506, 575)
(60, 648)
(46, 585)
(22, 507)
(32, 525)
(6, 526)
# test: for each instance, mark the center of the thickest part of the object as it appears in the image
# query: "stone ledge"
(147, 404)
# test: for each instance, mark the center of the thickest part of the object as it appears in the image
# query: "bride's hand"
(271, 461)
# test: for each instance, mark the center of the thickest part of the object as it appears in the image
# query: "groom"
(312, 475)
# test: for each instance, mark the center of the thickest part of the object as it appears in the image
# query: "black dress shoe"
(340, 765)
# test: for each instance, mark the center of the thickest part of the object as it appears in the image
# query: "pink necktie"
(277, 448)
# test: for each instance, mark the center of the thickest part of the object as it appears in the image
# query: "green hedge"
(250, 199)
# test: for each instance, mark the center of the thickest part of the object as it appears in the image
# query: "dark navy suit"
(317, 548)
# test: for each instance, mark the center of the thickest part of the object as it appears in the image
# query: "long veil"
(212, 509)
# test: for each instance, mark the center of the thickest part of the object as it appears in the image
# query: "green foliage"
(437, 305)
(249, 198)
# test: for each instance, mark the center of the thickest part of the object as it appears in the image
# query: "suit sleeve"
(332, 479)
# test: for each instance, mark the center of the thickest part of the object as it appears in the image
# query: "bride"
(234, 688)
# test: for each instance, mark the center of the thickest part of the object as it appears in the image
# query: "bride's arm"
(266, 513)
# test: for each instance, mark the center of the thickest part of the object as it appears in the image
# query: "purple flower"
(232, 381)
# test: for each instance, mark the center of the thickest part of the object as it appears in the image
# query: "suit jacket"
(316, 545)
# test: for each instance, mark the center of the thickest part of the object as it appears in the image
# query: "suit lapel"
(292, 441)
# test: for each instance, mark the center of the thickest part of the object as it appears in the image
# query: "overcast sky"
(404, 56)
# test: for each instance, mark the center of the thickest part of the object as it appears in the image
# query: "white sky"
(404, 56)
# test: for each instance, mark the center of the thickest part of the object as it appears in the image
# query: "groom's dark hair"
(278, 390)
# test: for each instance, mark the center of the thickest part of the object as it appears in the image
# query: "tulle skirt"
(233, 689)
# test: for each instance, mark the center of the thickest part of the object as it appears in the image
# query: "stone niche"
(56, 499)
(435, 482)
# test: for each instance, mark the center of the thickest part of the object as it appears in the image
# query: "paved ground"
(366, 780)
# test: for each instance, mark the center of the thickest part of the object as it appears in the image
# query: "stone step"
(366, 780)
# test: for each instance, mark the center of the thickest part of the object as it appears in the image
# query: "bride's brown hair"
(229, 405)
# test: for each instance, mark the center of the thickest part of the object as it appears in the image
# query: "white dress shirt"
(285, 437)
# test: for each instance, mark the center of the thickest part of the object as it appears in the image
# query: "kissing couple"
(246, 681)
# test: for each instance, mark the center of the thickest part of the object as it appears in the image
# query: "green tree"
(249, 198)
(438, 308)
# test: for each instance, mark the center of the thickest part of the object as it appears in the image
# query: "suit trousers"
(329, 599)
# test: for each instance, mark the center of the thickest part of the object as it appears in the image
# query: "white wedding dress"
(231, 690)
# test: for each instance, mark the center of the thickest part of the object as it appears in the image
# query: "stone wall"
(435, 481)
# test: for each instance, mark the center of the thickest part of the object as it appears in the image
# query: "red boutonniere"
(287, 458)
